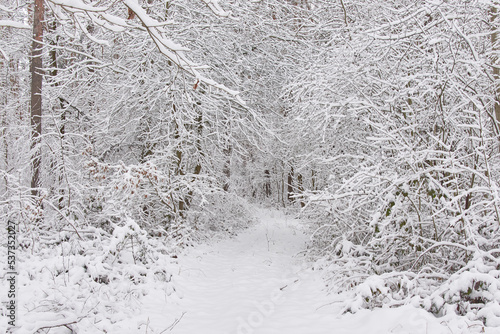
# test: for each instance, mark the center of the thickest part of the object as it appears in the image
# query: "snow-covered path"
(250, 283)
(256, 283)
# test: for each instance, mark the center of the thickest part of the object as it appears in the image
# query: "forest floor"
(257, 282)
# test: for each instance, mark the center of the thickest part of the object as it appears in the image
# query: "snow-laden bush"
(219, 212)
(411, 212)
(95, 281)
(151, 197)
(88, 261)
(473, 291)
(390, 251)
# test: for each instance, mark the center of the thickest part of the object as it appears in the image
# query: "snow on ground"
(254, 283)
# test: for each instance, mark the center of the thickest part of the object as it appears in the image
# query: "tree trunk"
(267, 183)
(300, 188)
(290, 185)
(197, 168)
(226, 170)
(36, 96)
(283, 188)
(495, 64)
(178, 155)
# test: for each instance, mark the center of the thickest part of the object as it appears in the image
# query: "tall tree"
(495, 63)
(36, 69)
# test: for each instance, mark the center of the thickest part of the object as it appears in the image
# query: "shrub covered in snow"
(93, 281)
(412, 206)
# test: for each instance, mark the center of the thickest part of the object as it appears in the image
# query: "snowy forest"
(160, 159)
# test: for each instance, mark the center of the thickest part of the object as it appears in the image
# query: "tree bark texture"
(36, 95)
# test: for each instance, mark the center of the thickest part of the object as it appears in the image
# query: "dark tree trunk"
(267, 183)
(36, 95)
(227, 167)
(283, 189)
(290, 185)
(178, 155)
(300, 187)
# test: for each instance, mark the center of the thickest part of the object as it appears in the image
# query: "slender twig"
(345, 12)
(176, 321)
(55, 326)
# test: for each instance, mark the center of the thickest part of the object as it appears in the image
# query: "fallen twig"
(176, 321)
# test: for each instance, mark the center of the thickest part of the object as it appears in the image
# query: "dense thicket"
(136, 145)
(409, 139)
